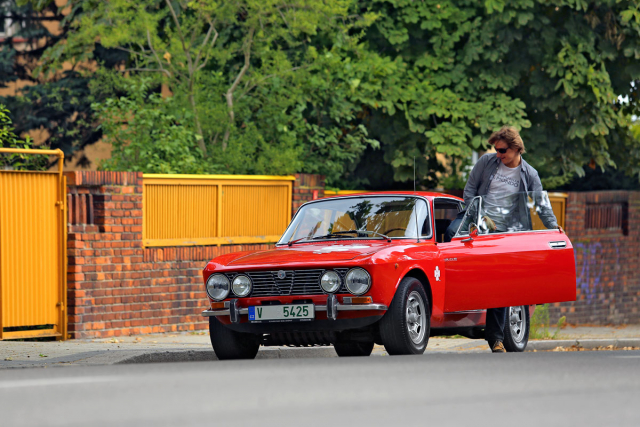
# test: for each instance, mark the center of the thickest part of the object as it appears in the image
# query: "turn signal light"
(361, 300)
(217, 305)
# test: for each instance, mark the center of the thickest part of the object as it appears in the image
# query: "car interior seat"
(441, 228)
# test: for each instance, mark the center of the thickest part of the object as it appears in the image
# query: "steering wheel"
(394, 229)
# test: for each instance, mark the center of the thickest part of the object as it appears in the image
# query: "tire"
(228, 344)
(405, 327)
(516, 329)
(350, 349)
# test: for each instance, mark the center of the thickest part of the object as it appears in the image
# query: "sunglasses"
(502, 150)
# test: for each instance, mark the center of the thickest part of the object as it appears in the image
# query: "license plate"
(281, 313)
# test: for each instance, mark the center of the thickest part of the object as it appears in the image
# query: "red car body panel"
(462, 278)
(517, 273)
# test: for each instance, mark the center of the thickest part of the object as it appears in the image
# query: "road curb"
(587, 344)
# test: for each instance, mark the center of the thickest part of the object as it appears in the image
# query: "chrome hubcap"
(517, 323)
(416, 318)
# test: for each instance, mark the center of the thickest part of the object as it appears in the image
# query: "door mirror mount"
(473, 233)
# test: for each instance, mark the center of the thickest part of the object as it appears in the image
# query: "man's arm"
(546, 212)
(473, 182)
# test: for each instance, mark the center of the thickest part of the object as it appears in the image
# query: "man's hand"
(489, 223)
(560, 228)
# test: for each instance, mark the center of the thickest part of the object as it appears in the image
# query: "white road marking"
(54, 382)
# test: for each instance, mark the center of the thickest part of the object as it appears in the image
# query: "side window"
(470, 217)
(445, 212)
(423, 217)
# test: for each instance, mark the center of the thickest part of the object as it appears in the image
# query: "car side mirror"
(473, 233)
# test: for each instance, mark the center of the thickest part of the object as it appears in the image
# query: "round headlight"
(241, 286)
(218, 286)
(330, 281)
(358, 281)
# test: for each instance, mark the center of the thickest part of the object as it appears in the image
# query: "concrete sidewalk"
(197, 347)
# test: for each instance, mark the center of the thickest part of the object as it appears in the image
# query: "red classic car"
(356, 270)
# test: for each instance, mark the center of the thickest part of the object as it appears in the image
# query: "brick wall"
(306, 187)
(604, 227)
(118, 287)
(115, 285)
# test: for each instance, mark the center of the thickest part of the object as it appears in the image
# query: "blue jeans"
(496, 320)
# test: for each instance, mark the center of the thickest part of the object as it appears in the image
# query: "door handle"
(558, 245)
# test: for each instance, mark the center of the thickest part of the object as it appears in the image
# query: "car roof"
(430, 195)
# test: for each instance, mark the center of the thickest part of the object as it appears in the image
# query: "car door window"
(445, 212)
(470, 217)
(510, 213)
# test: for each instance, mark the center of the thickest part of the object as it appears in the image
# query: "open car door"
(497, 260)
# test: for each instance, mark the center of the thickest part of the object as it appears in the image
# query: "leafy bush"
(147, 135)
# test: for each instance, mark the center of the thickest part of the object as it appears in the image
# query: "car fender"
(434, 286)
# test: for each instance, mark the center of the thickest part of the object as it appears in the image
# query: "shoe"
(498, 347)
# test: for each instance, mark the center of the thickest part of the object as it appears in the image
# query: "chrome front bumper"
(332, 307)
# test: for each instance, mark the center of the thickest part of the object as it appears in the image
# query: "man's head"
(509, 146)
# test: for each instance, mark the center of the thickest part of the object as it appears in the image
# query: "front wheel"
(405, 327)
(516, 328)
(228, 344)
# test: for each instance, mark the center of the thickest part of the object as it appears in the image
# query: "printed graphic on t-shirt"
(507, 180)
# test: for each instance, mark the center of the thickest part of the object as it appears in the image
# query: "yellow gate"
(33, 241)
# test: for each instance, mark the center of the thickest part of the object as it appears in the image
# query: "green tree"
(179, 40)
(8, 139)
(554, 69)
(313, 86)
(56, 106)
(146, 136)
(253, 74)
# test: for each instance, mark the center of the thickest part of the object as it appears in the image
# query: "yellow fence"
(33, 251)
(187, 210)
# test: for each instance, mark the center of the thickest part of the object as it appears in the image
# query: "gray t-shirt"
(500, 202)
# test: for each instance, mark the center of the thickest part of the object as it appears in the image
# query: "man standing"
(497, 176)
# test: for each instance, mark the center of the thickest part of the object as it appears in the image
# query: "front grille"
(295, 282)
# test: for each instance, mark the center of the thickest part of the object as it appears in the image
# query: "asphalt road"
(529, 389)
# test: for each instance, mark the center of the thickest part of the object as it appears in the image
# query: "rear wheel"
(516, 328)
(349, 349)
(405, 327)
(228, 344)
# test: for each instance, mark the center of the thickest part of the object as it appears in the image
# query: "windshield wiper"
(337, 233)
(340, 233)
(377, 234)
(291, 242)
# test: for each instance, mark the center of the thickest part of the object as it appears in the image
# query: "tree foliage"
(554, 69)
(146, 136)
(358, 90)
(8, 139)
(56, 106)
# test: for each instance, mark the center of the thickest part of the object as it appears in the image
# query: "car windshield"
(357, 217)
(522, 211)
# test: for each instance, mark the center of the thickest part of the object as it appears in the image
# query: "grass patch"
(540, 328)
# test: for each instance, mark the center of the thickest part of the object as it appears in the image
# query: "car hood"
(310, 253)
